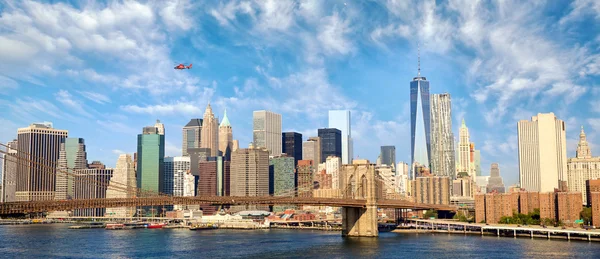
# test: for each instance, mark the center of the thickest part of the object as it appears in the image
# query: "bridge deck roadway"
(54, 205)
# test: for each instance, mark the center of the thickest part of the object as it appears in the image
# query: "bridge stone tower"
(358, 182)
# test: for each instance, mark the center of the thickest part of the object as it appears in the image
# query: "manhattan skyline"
(299, 60)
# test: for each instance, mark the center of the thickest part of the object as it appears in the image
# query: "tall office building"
(582, 167)
(341, 119)
(150, 160)
(464, 151)
(160, 127)
(442, 139)
(122, 185)
(333, 166)
(431, 189)
(311, 149)
(225, 137)
(176, 169)
(495, 183)
(331, 143)
(420, 136)
(210, 132)
(292, 145)
(542, 153)
(191, 135)
(283, 180)
(85, 187)
(41, 142)
(267, 131)
(388, 156)
(305, 174)
(72, 156)
(477, 162)
(9, 173)
(250, 172)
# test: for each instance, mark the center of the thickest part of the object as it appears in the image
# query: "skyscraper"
(341, 119)
(191, 135)
(249, 174)
(331, 143)
(495, 183)
(160, 127)
(84, 188)
(292, 145)
(542, 153)
(9, 173)
(123, 176)
(176, 169)
(150, 160)
(210, 132)
(41, 142)
(420, 136)
(333, 165)
(442, 139)
(582, 167)
(311, 150)
(267, 131)
(225, 137)
(388, 156)
(464, 150)
(281, 169)
(72, 156)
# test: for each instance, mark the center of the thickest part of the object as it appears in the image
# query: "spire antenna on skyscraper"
(419, 59)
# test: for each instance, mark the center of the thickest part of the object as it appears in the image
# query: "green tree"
(430, 213)
(586, 215)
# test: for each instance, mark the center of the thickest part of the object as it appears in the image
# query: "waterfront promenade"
(456, 227)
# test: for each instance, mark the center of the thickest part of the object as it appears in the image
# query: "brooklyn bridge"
(359, 200)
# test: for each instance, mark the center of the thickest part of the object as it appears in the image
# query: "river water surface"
(57, 241)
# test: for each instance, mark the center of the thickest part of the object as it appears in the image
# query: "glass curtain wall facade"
(340, 119)
(331, 143)
(420, 135)
(150, 160)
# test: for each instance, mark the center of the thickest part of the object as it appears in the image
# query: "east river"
(57, 241)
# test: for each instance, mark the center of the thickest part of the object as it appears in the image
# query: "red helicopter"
(182, 66)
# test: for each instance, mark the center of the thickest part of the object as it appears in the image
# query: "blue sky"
(105, 70)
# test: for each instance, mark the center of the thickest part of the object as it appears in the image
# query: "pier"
(455, 227)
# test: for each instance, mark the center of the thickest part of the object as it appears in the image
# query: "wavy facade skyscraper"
(420, 133)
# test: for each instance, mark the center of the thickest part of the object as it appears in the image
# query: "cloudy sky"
(105, 70)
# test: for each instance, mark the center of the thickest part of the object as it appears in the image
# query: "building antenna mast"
(419, 59)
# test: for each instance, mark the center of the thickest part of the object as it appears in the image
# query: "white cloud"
(64, 97)
(332, 35)
(173, 15)
(580, 8)
(164, 109)
(7, 83)
(118, 152)
(95, 97)
(119, 127)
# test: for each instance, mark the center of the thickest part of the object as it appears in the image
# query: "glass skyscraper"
(388, 155)
(331, 143)
(150, 162)
(340, 119)
(420, 135)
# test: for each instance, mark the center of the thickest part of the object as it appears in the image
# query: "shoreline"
(471, 233)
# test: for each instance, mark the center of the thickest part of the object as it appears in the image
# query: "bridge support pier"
(360, 179)
(360, 222)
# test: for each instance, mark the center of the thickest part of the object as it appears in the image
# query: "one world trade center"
(420, 136)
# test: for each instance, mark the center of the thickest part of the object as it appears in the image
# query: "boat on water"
(202, 227)
(88, 225)
(115, 226)
(156, 225)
